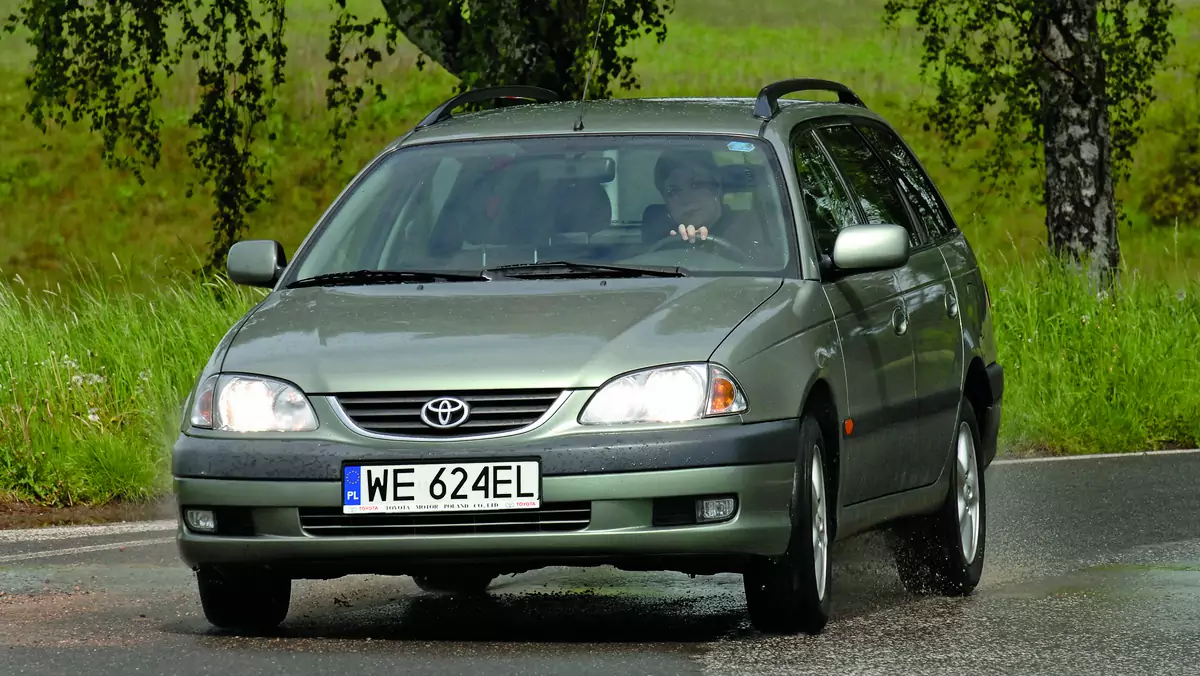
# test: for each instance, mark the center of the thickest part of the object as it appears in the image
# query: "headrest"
(520, 213)
(579, 206)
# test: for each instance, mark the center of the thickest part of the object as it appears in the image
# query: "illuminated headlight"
(666, 394)
(234, 403)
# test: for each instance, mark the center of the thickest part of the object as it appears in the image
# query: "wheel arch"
(819, 401)
(978, 388)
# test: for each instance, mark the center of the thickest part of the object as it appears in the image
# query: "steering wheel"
(676, 241)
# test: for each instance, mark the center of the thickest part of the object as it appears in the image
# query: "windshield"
(466, 206)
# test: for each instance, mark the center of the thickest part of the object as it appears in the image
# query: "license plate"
(441, 487)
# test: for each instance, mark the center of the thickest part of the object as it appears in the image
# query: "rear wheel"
(791, 593)
(467, 582)
(943, 553)
(244, 600)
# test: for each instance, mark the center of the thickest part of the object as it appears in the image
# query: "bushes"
(1174, 195)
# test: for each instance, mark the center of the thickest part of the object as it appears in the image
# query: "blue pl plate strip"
(352, 486)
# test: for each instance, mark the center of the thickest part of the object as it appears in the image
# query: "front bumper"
(209, 456)
(620, 532)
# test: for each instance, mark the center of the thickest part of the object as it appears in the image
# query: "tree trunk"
(1080, 206)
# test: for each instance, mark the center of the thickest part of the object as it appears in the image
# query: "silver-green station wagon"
(695, 335)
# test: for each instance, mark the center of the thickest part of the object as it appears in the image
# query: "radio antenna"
(587, 84)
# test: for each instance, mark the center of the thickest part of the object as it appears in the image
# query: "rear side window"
(825, 201)
(869, 178)
(915, 182)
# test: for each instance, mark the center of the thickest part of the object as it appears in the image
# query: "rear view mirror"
(871, 247)
(598, 169)
(256, 262)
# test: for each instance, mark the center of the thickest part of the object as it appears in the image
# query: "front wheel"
(791, 593)
(943, 553)
(468, 582)
(244, 601)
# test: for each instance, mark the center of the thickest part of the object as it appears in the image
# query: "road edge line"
(80, 531)
(1095, 456)
(10, 558)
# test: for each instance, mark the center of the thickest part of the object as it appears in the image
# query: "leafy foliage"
(103, 61)
(340, 95)
(988, 60)
(1173, 197)
(544, 43)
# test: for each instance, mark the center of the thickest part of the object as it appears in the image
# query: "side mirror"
(871, 247)
(256, 262)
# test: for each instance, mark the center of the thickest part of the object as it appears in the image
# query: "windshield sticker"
(740, 146)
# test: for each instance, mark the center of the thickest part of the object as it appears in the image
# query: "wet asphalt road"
(1093, 568)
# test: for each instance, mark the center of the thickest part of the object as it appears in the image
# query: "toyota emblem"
(445, 412)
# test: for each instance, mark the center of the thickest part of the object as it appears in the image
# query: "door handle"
(951, 304)
(900, 320)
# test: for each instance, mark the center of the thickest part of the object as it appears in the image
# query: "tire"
(244, 601)
(791, 593)
(932, 554)
(462, 583)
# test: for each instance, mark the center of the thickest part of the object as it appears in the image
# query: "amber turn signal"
(724, 397)
(723, 394)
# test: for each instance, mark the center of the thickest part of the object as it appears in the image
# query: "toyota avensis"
(696, 335)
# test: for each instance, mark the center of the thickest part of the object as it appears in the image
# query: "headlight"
(666, 394)
(251, 404)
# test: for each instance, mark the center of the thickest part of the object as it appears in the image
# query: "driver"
(690, 184)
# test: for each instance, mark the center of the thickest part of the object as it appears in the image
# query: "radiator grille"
(487, 412)
(551, 517)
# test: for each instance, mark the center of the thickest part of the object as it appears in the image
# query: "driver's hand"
(689, 232)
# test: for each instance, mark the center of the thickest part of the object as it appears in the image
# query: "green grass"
(1121, 380)
(1088, 374)
(92, 384)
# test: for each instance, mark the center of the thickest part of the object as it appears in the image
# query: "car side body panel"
(880, 383)
(780, 353)
(784, 346)
(978, 334)
(881, 478)
(937, 346)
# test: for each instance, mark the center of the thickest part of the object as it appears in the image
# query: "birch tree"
(1069, 78)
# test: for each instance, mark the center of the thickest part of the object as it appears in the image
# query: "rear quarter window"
(915, 183)
(869, 178)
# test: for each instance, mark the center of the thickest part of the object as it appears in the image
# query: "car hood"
(485, 335)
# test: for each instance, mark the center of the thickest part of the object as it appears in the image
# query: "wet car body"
(846, 378)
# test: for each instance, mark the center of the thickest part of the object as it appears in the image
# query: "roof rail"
(504, 92)
(767, 105)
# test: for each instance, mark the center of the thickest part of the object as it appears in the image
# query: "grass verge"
(1088, 373)
(91, 384)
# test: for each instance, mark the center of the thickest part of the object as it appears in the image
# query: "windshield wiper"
(575, 270)
(387, 277)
